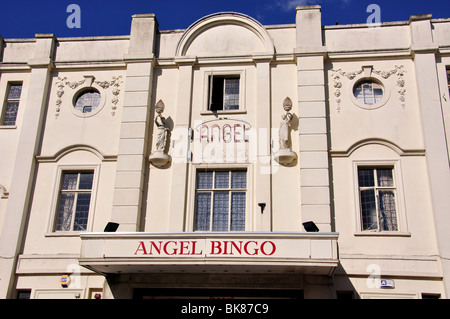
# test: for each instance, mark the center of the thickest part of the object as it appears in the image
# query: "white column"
(313, 155)
(424, 51)
(263, 167)
(134, 140)
(181, 142)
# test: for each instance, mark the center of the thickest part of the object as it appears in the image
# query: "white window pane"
(82, 212)
(384, 177)
(86, 180)
(368, 209)
(221, 179)
(238, 179)
(365, 177)
(70, 181)
(231, 98)
(203, 211)
(368, 100)
(220, 211)
(237, 211)
(358, 93)
(11, 113)
(65, 210)
(388, 216)
(87, 101)
(15, 90)
(204, 180)
(368, 92)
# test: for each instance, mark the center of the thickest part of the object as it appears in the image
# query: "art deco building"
(229, 159)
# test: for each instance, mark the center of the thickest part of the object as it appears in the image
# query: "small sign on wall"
(384, 283)
(64, 281)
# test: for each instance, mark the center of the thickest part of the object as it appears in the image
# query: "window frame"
(214, 190)
(192, 192)
(402, 229)
(7, 99)
(373, 78)
(224, 79)
(53, 216)
(84, 91)
(372, 89)
(241, 74)
(377, 188)
(88, 86)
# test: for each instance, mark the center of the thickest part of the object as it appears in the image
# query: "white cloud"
(288, 5)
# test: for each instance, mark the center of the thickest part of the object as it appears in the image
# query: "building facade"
(229, 159)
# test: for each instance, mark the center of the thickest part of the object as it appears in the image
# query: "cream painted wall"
(272, 66)
(10, 134)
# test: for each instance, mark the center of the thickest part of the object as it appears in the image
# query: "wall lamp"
(262, 205)
(111, 227)
(310, 227)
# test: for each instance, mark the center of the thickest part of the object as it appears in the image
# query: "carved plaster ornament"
(114, 83)
(160, 157)
(399, 70)
(285, 155)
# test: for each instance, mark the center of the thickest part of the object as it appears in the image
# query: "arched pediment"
(75, 148)
(225, 34)
(378, 141)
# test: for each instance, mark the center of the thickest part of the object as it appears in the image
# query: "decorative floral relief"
(59, 93)
(114, 83)
(73, 85)
(398, 70)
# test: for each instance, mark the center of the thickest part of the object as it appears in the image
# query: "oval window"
(88, 101)
(368, 92)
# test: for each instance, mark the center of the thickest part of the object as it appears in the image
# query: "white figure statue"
(159, 158)
(284, 130)
(163, 133)
(285, 155)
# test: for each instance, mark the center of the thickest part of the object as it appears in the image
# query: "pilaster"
(131, 160)
(263, 167)
(181, 142)
(15, 220)
(313, 131)
(424, 52)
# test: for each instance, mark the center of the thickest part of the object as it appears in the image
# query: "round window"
(368, 92)
(87, 101)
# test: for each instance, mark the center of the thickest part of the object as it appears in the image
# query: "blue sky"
(25, 18)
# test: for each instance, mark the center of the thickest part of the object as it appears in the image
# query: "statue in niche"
(159, 158)
(285, 155)
(163, 130)
(284, 130)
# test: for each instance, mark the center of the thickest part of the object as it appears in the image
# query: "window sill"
(223, 112)
(8, 127)
(63, 234)
(383, 233)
